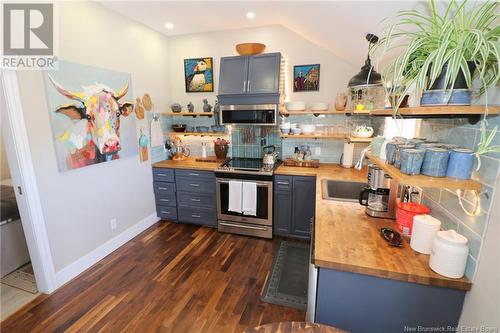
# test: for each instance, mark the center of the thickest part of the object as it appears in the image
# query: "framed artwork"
(91, 114)
(306, 78)
(199, 74)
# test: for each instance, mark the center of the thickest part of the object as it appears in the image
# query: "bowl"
(319, 107)
(307, 128)
(285, 130)
(296, 130)
(285, 125)
(362, 132)
(190, 129)
(179, 127)
(295, 106)
(250, 48)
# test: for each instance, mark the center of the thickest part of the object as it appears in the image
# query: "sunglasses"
(391, 236)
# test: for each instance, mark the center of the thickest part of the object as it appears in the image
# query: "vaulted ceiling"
(339, 26)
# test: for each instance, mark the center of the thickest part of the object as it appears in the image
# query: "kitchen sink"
(341, 190)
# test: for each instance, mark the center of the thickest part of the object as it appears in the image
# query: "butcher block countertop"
(347, 239)
(189, 163)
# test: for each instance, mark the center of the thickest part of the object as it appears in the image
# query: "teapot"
(179, 150)
(270, 155)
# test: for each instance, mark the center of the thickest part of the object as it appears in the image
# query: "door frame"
(24, 181)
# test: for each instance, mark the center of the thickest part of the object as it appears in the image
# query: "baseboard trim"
(76, 268)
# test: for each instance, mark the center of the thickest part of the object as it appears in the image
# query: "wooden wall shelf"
(422, 180)
(324, 112)
(439, 111)
(188, 114)
(326, 137)
(198, 134)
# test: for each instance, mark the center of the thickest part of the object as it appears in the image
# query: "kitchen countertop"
(347, 239)
(189, 163)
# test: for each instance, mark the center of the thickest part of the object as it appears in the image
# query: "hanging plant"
(447, 50)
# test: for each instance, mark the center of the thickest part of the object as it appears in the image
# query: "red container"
(405, 213)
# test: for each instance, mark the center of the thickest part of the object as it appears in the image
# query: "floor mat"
(287, 283)
(23, 278)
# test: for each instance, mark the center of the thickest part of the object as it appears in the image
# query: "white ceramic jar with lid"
(423, 233)
(449, 254)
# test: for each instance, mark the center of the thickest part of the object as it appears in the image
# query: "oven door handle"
(258, 183)
(242, 226)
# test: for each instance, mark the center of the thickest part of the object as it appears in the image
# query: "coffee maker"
(380, 195)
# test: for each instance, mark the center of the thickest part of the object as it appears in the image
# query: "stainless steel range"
(246, 170)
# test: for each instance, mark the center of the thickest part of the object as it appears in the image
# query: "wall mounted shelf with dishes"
(326, 137)
(198, 134)
(422, 180)
(188, 114)
(323, 112)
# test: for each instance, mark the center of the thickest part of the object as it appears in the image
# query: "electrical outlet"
(113, 224)
(317, 151)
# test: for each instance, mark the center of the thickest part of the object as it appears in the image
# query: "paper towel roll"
(348, 155)
(424, 230)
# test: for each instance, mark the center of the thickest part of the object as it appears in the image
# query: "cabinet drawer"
(198, 185)
(194, 174)
(163, 175)
(283, 183)
(167, 213)
(197, 216)
(196, 199)
(164, 188)
(166, 199)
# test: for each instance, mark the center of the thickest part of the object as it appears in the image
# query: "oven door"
(262, 115)
(264, 214)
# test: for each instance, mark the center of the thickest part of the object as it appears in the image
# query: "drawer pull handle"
(163, 188)
(194, 185)
(242, 226)
(194, 174)
(195, 200)
(283, 183)
(196, 216)
(164, 212)
(161, 174)
(166, 200)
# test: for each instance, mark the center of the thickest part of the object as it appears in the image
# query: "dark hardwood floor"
(171, 278)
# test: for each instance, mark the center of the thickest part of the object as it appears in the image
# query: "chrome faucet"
(359, 163)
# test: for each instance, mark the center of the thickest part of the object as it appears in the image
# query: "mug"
(460, 163)
(435, 162)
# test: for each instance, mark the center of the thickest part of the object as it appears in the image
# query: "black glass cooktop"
(244, 163)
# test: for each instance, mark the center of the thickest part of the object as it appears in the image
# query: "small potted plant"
(444, 51)
(221, 147)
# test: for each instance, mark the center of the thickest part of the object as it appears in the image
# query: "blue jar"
(411, 161)
(460, 163)
(435, 162)
(390, 149)
(397, 154)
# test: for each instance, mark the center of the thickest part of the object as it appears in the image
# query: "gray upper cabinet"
(258, 74)
(233, 75)
(264, 73)
(304, 204)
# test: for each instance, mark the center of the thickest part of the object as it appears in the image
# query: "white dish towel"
(234, 204)
(249, 202)
(156, 133)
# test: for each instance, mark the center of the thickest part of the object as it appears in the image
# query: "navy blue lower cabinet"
(363, 303)
(164, 190)
(294, 205)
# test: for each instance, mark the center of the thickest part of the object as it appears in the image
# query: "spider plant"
(461, 39)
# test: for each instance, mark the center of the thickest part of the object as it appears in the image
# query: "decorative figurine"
(206, 107)
(190, 107)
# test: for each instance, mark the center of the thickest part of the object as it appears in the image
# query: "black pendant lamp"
(367, 76)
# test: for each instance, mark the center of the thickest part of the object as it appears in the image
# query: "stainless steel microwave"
(260, 114)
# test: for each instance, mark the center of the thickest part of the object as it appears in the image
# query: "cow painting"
(94, 116)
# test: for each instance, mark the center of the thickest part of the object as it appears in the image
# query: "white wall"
(79, 204)
(482, 303)
(334, 72)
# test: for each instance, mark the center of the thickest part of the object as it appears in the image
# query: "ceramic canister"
(376, 145)
(435, 162)
(390, 149)
(397, 154)
(460, 163)
(424, 230)
(411, 161)
(449, 254)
